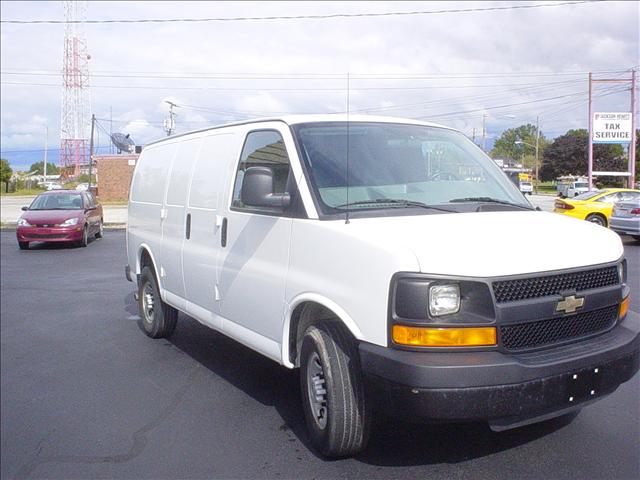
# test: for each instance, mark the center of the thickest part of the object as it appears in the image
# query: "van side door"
(174, 221)
(255, 241)
(200, 254)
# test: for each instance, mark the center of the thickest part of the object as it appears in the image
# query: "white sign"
(611, 127)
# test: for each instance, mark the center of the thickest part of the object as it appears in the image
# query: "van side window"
(262, 149)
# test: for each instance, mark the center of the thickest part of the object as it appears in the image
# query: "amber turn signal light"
(624, 307)
(444, 337)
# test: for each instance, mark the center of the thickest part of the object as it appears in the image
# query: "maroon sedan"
(60, 216)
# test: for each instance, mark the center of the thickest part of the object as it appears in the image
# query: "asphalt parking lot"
(85, 394)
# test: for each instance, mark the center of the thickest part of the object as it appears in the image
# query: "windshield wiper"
(490, 200)
(396, 202)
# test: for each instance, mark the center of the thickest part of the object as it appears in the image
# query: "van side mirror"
(257, 189)
(24, 209)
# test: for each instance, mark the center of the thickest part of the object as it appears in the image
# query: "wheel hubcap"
(147, 303)
(316, 389)
(596, 220)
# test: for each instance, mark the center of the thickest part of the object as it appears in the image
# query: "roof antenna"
(346, 218)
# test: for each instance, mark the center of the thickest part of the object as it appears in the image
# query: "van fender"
(321, 300)
(144, 246)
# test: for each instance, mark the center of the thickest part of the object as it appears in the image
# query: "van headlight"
(444, 299)
(69, 222)
(622, 271)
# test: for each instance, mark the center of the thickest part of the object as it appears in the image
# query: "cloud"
(233, 59)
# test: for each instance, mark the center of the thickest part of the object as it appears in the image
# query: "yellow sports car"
(596, 205)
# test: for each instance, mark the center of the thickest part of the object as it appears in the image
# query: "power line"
(303, 17)
(308, 76)
(279, 89)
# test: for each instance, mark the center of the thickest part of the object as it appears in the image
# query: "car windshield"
(588, 195)
(59, 201)
(399, 166)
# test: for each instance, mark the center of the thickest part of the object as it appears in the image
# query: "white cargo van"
(370, 253)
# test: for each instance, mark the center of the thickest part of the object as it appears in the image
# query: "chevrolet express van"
(371, 254)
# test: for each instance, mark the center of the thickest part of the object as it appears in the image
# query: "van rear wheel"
(332, 389)
(158, 318)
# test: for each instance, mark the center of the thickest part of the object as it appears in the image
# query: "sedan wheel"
(100, 232)
(597, 219)
(84, 241)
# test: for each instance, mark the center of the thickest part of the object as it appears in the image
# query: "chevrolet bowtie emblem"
(569, 304)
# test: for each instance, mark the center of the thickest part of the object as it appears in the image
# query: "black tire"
(157, 318)
(100, 232)
(636, 237)
(23, 245)
(333, 396)
(84, 241)
(597, 219)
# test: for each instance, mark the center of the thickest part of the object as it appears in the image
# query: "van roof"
(297, 119)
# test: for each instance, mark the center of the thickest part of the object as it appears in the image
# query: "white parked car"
(52, 186)
(359, 252)
(526, 188)
(82, 187)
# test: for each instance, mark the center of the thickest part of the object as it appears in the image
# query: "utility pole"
(93, 123)
(46, 146)
(110, 129)
(170, 121)
(484, 132)
(537, 149)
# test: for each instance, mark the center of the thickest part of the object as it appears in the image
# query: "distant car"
(82, 187)
(595, 206)
(52, 186)
(526, 188)
(60, 216)
(625, 218)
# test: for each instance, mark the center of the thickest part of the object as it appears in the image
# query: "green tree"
(568, 155)
(506, 147)
(5, 173)
(38, 167)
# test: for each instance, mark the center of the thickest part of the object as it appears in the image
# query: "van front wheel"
(158, 318)
(332, 390)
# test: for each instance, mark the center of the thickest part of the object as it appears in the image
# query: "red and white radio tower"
(74, 125)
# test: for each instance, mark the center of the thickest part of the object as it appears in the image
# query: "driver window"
(263, 148)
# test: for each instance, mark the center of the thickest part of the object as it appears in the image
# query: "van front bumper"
(504, 389)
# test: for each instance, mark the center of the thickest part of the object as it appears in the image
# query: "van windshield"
(398, 165)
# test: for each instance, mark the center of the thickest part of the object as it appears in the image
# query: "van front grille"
(543, 286)
(530, 335)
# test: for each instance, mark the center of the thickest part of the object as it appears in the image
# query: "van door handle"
(223, 233)
(188, 226)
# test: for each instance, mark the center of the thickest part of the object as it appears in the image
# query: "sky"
(505, 67)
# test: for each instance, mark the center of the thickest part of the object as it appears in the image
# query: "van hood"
(492, 244)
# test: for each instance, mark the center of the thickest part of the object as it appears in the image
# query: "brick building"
(114, 176)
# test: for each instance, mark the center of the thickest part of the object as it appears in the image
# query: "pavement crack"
(138, 444)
